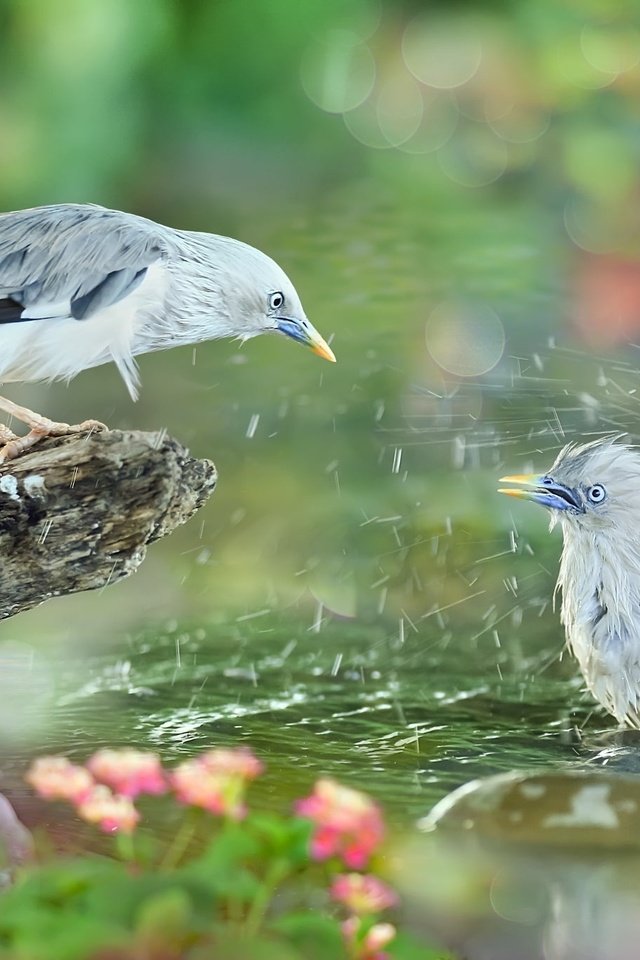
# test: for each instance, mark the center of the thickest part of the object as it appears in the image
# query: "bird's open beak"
(306, 333)
(543, 490)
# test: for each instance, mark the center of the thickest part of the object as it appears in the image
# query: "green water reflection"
(407, 719)
(356, 598)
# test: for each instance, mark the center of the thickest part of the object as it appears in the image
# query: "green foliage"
(406, 948)
(283, 838)
(72, 910)
(225, 865)
(240, 882)
(165, 921)
(312, 934)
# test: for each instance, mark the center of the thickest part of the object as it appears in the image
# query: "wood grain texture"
(78, 512)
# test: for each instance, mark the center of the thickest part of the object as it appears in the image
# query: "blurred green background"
(453, 189)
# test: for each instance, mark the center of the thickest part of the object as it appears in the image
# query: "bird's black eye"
(276, 300)
(596, 493)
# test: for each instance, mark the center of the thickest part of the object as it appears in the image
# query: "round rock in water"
(540, 866)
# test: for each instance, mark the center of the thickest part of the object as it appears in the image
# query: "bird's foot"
(15, 446)
(41, 427)
(53, 429)
(6, 435)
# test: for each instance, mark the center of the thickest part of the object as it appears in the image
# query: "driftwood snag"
(78, 512)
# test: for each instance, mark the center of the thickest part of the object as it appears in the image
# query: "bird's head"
(594, 487)
(260, 298)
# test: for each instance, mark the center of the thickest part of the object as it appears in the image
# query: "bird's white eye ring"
(596, 493)
(276, 300)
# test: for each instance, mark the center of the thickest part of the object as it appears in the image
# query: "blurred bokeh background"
(453, 187)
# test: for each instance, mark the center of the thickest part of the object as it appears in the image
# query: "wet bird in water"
(81, 285)
(593, 490)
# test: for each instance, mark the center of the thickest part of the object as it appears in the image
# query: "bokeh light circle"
(475, 156)
(336, 591)
(441, 53)
(521, 126)
(586, 226)
(338, 72)
(610, 52)
(391, 114)
(362, 123)
(598, 162)
(566, 66)
(440, 115)
(399, 108)
(466, 340)
(361, 17)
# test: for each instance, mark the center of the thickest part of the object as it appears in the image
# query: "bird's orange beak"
(304, 332)
(320, 346)
(528, 482)
(544, 490)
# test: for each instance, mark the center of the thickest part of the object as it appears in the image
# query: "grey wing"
(70, 260)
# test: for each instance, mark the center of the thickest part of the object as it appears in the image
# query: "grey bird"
(81, 285)
(593, 490)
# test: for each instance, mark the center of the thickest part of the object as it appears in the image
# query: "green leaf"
(318, 937)
(231, 946)
(165, 920)
(58, 886)
(288, 838)
(106, 891)
(54, 936)
(270, 828)
(226, 865)
(406, 947)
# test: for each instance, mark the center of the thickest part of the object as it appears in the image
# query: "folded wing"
(72, 260)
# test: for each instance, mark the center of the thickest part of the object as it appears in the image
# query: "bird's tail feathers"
(129, 372)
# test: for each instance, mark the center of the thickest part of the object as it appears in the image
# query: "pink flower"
(367, 946)
(217, 780)
(56, 778)
(379, 935)
(236, 762)
(129, 772)
(362, 894)
(112, 812)
(348, 823)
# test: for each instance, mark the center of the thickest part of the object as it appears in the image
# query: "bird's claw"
(13, 446)
(89, 426)
(50, 428)
(6, 435)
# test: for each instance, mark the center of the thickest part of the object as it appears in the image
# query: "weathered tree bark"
(78, 512)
